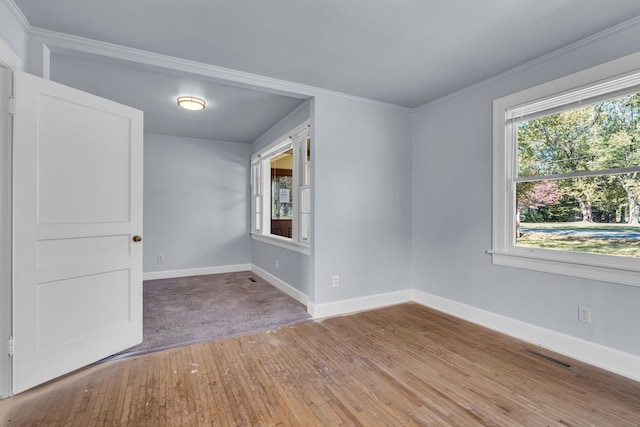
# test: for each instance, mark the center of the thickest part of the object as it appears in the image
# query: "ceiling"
(232, 114)
(403, 52)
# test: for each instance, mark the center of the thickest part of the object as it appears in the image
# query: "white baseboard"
(283, 286)
(613, 360)
(318, 311)
(170, 274)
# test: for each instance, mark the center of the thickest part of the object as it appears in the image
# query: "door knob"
(137, 238)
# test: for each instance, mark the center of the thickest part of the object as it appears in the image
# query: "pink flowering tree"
(543, 193)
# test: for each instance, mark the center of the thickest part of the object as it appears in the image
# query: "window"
(566, 183)
(281, 191)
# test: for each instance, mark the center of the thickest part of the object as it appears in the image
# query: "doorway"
(9, 61)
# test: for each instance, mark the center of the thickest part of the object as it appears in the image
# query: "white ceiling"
(404, 52)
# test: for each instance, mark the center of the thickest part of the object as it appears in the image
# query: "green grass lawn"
(581, 225)
(610, 246)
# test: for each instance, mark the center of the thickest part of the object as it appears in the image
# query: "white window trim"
(282, 242)
(504, 252)
(262, 232)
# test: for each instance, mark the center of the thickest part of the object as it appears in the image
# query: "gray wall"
(363, 189)
(361, 175)
(295, 118)
(195, 203)
(294, 266)
(452, 212)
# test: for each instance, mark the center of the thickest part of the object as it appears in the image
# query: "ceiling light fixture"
(191, 103)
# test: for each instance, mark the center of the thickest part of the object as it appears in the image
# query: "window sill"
(560, 264)
(282, 242)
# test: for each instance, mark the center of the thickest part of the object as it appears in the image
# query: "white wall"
(452, 212)
(294, 267)
(362, 206)
(195, 203)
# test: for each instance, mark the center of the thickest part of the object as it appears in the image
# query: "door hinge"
(11, 344)
(12, 106)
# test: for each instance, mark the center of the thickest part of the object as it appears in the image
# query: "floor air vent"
(549, 359)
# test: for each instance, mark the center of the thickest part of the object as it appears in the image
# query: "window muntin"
(281, 189)
(598, 171)
(596, 210)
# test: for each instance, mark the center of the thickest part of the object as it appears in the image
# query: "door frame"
(11, 61)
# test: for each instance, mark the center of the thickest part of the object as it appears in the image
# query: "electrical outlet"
(584, 314)
(335, 281)
(277, 264)
(160, 259)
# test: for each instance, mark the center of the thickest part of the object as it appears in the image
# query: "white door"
(77, 205)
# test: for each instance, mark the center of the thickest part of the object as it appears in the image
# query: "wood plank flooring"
(396, 366)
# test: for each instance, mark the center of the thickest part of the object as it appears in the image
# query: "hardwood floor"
(400, 365)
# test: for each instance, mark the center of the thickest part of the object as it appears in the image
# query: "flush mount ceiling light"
(191, 103)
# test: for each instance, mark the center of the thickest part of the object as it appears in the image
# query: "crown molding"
(530, 64)
(17, 15)
(292, 113)
(62, 42)
(70, 44)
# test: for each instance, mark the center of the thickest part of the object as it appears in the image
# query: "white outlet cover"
(584, 314)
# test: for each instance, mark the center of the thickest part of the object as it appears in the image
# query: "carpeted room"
(188, 310)
(196, 216)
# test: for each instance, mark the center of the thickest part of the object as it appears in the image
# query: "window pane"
(589, 214)
(258, 213)
(281, 194)
(255, 174)
(605, 135)
(305, 213)
(307, 163)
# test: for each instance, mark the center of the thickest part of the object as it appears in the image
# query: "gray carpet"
(201, 308)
